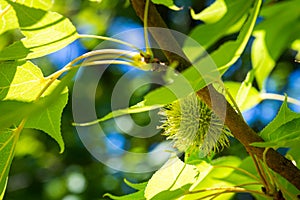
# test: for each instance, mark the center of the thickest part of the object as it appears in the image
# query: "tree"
(199, 111)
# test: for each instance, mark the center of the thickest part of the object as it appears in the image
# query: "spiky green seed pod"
(193, 126)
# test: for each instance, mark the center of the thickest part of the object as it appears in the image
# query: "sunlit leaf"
(208, 34)
(168, 3)
(3, 190)
(266, 48)
(97, 1)
(177, 180)
(172, 176)
(212, 176)
(39, 4)
(296, 46)
(44, 31)
(245, 88)
(283, 131)
(23, 81)
(20, 81)
(213, 13)
(251, 99)
(8, 17)
(9, 137)
(245, 174)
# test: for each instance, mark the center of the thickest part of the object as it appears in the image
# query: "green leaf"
(179, 87)
(228, 14)
(174, 194)
(250, 98)
(41, 4)
(175, 179)
(245, 88)
(45, 32)
(170, 178)
(296, 46)
(12, 115)
(283, 131)
(267, 48)
(244, 174)
(289, 190)
(49, 120)
(20, 81)
(287, 135)
(139, 195)
(3, 190)
(8, 17)
(234, 49)
(284, 115)
(213, 13)
(197, 76)
(137, 186)
(169, 3)
(23, 81)
(56, 93)
(8, 140)
(294, 154)
(214, 176)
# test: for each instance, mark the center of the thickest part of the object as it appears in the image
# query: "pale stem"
(279, 97)
(112, 40)
(148, 50)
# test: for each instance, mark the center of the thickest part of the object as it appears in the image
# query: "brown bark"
(164, 39)
(246, 136)
(210, 96)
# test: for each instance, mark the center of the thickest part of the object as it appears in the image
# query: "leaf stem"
(225, 190)
(177, 177)
(241, 170)
(260, 171)
(4, 11)
(112, 40)
(279, 97)
(146, 36)
(268, 171)
(103, 53)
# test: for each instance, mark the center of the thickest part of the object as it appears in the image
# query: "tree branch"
(210, 96)
(163, 37)
(246, 136)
